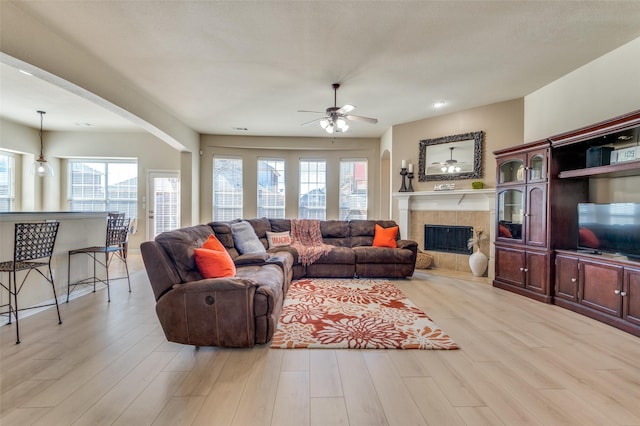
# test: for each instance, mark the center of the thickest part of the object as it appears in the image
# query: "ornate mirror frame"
(476, 137)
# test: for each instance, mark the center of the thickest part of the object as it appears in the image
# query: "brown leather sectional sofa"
(243, 310)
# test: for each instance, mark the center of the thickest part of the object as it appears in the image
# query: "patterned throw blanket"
(307, 240)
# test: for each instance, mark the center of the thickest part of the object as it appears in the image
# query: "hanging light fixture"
(40, 167)
(332, 124)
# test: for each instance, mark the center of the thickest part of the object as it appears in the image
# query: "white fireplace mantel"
(456, 200)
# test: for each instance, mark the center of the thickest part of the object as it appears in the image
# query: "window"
(104, 185)
(271, 188)
(353, 189)
(313, 197)
(7, 181)
(227, 188)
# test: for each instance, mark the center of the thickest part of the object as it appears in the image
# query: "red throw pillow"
(385, 237)
(213, 243)
(214, 263)
(503, 231)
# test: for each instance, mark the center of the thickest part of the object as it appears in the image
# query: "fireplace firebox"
(448, 238)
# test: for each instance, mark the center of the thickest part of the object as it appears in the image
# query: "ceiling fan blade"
(360, 118)
(313, 121)
(315, 112)
(345, 109)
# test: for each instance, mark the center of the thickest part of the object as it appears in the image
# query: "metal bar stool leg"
(15, 298)
(68, 276)
(106, 267)
(55, 296)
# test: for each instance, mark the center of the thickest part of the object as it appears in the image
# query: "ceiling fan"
(451, 165)
(336, 117)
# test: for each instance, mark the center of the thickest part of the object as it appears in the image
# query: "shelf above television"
(632, 168)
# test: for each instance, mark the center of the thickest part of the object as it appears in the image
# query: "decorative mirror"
(451, 157)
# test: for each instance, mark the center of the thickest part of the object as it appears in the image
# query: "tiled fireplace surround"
(474, 208)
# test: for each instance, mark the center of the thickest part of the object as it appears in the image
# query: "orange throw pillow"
(213, 263)
(385, 237)
(213, 243)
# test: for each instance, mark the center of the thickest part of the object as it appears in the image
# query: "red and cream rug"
(356, 314)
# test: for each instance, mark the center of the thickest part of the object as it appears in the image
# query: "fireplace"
(464, 207)
(447, 238)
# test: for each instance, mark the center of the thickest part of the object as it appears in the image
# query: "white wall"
(151, 153)
(604, 88)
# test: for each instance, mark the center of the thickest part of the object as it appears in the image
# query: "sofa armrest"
(407, 244)
(210, 312)
(251, 259)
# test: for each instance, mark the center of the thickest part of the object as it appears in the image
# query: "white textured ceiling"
(220, 65)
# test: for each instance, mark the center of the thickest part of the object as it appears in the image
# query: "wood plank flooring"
(521, 363)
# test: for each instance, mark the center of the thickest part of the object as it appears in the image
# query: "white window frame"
(278, 210)
(10, 176)
(354, 204)
(107, 202)
(308, 185)
(235, 210)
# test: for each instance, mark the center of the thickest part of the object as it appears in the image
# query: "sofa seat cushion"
(337, 256)
(270, 280)
(383, 255)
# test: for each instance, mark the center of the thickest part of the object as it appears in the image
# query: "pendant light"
(40, 167)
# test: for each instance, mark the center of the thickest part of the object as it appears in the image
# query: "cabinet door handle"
(616, 291)
(573, 280)
(526, 270)
(623, 293)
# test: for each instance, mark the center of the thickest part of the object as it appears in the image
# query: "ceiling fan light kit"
(336, 118)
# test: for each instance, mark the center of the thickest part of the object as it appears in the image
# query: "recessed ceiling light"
(439, 104)
(242, 129)
(83, 124)
(25, 72)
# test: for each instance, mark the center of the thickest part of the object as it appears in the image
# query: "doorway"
(164, 203)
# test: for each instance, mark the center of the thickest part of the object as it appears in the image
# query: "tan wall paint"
(502, 124)
(604, 88)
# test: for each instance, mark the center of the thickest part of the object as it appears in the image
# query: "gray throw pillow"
(245, 238)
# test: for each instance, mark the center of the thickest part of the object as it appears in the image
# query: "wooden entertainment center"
(539, 186)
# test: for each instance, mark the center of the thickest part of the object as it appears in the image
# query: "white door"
(164, 202)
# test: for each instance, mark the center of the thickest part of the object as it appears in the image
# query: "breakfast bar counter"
(77, 229)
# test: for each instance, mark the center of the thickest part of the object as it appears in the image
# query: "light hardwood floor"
(521, 362)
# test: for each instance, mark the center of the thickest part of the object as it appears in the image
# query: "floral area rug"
(356, 314)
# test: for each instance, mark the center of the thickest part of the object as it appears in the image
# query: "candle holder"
(410, 176)
(403, 173)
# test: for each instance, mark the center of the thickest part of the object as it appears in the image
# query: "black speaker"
(599, 156)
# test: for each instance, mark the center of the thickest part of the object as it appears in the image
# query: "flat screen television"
(610, 228)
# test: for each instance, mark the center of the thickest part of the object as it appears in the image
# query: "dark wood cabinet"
(600, 285)
(566, 283)
(631, 295)
(538, 188)
(522, 255)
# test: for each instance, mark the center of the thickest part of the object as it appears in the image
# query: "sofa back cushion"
(179, 245)
(280, 225)
(335, 232)
(224, 234)
(363, 231)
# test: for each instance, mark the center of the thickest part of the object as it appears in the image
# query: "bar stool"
(117, 230)
(33, 241)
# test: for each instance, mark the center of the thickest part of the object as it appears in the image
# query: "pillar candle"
(410, 167)
(404, 164)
